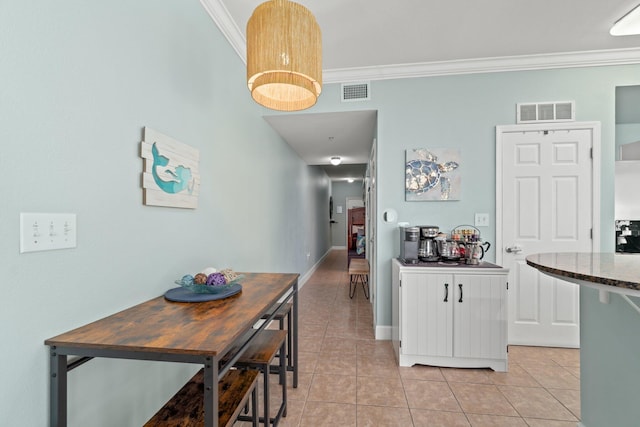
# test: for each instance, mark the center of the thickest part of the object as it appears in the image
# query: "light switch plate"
(47, 231)
(482, 220)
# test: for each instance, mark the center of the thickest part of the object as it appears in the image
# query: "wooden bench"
(259, 355)
(186, 408)
(358, 269)
(281, 313)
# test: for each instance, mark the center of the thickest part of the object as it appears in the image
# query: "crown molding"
(595, 58)
(221, 17)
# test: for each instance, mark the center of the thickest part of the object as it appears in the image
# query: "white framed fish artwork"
(432, 174)
(170, 175)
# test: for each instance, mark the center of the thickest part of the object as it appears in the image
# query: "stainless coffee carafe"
(428, 250)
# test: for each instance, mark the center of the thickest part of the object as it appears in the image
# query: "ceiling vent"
(356, 92)
(560, 111)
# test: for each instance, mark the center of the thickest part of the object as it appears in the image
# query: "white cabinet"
(450, 316)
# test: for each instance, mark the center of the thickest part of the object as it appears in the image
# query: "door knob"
(513, 249)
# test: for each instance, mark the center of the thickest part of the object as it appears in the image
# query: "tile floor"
(347, 378)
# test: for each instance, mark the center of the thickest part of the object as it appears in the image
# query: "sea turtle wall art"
(432, 174)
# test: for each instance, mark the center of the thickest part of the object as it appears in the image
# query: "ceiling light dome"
(284, 56)
(335, 160)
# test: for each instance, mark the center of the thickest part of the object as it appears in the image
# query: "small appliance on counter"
(428, 250)
(472, 248)
(628, 236)
(409, 244)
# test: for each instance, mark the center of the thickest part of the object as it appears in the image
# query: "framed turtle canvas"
(432, 174)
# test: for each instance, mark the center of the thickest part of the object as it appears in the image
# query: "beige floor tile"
(421, 372)
(307, 361)
(338, 345)
(476, 376)
(323, 414)
(434, 395)
(381, 416)
(302, 391)
(376, 391)
(306, 329)
(429, 418)
(482, 399)
(333, 388)
(536, 403)
(554, 377)
(532, 422)
(566, 356)
(569, 398)
(343, 332)
(375, 348)
(371, 366)
(478, 420)
(309, 344)
(515, 376)
(294, 414)
(340, 361)
(334, 363)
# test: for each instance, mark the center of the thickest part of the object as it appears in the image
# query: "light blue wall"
(78, 82)
(462, 112)
(340, 191)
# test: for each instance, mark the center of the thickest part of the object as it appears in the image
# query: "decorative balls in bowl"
(211, 283)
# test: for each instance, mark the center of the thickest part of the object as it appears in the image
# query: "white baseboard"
(383, 332)
(306, 276)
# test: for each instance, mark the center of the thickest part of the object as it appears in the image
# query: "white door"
(370, 248)
(547, 200)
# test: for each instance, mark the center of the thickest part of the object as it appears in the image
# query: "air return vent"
(559, 111)
(356, 92)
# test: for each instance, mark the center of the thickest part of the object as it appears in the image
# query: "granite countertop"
(619, 271)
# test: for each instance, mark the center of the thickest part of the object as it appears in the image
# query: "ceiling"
(366, 40)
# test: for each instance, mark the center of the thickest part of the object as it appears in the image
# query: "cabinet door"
(480, 316)
(426, 319)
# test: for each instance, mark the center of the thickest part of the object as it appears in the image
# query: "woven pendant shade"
(284, 56)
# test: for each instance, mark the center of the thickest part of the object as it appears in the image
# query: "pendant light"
(284, 56)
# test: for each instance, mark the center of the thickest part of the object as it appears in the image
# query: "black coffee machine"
(409, 244)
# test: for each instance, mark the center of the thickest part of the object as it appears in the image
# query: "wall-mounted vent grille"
(356, 92)
(562, 111)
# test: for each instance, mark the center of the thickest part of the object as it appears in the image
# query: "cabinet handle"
(446, 292)
(460, 285)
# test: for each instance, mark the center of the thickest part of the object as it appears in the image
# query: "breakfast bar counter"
(607, 272)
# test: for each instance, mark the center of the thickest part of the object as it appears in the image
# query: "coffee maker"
(428, 250)
(409, 244)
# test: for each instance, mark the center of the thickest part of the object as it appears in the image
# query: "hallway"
(347, 378)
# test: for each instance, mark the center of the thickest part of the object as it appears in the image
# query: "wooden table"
(160, 330)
